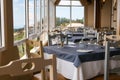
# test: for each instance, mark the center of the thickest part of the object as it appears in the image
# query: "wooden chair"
(35, 49)
(34, 63)
(16, 67)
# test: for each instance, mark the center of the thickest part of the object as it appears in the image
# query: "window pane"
(46, 15)
(43, 14)
(62, 16)
(76, 3)
(2, 41)
(22, 49)
(38, 16)
(64, 2)
(78, 17)
(0, 27)
(19, 19)
(31, 17)
(52, 16)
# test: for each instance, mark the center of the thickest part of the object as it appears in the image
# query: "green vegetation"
(19, 34)
(65, 21)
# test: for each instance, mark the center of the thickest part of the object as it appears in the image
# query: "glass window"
(78, 17)
(51, 16)
(43, 14)
(64, 2)
(46, 15)
(0, 27)
(68, 13)
(2, 41)
(19, 19)
(62, 16)
(77, 3)
(31, 17)
(38, 16)
(22, 49)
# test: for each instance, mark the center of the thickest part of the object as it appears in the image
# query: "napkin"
(81, 50)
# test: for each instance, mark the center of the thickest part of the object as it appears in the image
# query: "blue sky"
(19, 13)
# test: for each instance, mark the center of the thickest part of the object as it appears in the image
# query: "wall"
(106, 14)
(89, 15)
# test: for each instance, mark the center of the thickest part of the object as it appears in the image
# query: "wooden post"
(118, 18)
(97, 14)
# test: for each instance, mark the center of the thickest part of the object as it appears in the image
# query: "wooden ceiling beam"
(57, 2)
(85, 2)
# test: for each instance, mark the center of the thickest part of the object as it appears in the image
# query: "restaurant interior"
(60, 40)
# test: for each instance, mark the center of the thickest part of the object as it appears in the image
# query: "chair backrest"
(35, 49)
(16, 67)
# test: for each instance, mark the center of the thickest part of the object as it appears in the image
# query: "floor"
(111, 77)
(101, 77)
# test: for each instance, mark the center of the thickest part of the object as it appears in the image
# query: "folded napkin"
(81, 50)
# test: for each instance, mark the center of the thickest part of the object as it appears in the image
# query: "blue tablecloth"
(77, 39)
(70, 53)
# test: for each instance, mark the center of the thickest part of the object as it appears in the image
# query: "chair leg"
(106, 62)
(43, 74)
(53, 70)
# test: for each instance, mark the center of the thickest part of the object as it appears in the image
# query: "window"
(31, 28)
(1, 24)
(68, 13)
(62, 16)
(64, 2)
(51, 16)
(76, 3)
(43, 15)
(19, 19)
(38, 16)
(22, 49)
(78, 17)
(0, 27)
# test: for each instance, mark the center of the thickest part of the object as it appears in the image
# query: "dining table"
(81, 61)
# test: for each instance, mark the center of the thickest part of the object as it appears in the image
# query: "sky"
(19, 13)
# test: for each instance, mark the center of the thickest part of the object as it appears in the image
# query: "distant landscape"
(18, 34)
